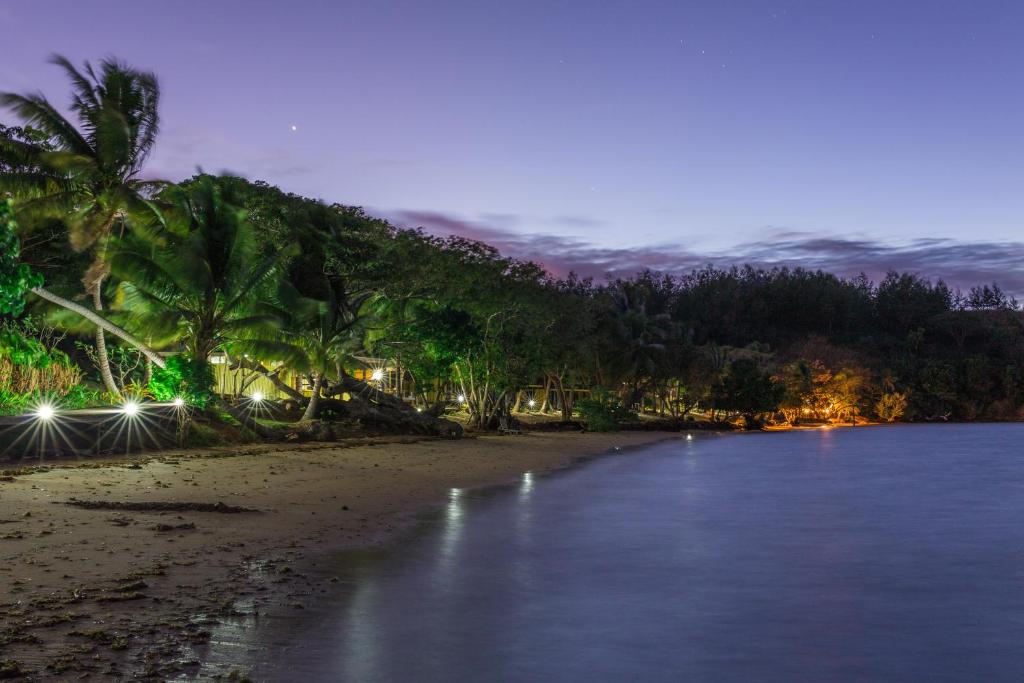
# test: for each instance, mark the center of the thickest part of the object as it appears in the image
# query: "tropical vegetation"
(111, 283)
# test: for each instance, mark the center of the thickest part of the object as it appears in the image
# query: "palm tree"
(208, 289)
(89, 174)
(327, 337)
(638, 336)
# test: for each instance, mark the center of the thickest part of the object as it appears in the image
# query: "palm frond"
(251, 324)
(271, 350)
(146, 276)
(84, 96)
(37, 111)
(262, 272)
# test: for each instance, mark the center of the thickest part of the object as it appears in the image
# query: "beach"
(120, 567)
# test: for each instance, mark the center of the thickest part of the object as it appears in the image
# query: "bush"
(186, 378)
(32, 371)
(891, 406)
(15, 278)
(603, 412)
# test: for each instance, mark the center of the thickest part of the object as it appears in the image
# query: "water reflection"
(452, 531)
(751, 557)
(526, 485)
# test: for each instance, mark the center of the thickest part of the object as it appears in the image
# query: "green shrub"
(15, 278)
(603, 412)
(32, 371)
(183, 377)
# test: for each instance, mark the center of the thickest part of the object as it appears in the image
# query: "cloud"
(560, 255)
(185, 149)
(959, 264)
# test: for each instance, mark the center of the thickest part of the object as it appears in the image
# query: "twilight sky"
(853, 135)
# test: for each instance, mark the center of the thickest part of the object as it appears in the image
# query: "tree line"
(152, 277)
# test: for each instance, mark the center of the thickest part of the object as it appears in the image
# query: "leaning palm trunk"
(313, 407)
(102, 323)
(102, 358)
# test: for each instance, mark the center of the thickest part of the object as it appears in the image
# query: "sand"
(128, 591)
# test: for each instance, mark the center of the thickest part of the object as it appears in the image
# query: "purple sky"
(855, 135)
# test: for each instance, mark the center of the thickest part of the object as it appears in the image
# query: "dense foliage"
(270, 279)
(15, 278)
(184, 378)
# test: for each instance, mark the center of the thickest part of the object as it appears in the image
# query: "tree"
(639, 328)
(891, 406)
(207, 289)
(88, 175)
(747, 390)
(16, 278)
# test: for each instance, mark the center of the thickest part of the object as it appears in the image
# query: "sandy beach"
(119, 568)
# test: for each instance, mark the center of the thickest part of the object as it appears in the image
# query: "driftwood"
(367, 404)
(372, 406)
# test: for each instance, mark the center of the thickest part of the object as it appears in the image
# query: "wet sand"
(131, 584)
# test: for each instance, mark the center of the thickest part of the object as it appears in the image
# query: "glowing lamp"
(45, 412)
(377, 375)
(130, 408)
(257, 396)
(179, 402)
(461, 398)
(531, 403)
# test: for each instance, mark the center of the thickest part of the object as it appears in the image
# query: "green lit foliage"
(32, 368)
(86, 174)
(430, 340)
(186, 378)
(206, 289)
(603, 411)
(15, 278)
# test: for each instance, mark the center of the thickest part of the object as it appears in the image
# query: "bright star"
(295, 128)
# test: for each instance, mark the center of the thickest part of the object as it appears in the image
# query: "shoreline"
(135, 587)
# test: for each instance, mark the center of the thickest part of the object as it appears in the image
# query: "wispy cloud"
(959, 264)
(185, 149)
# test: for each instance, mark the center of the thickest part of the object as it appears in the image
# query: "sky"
(854, 135)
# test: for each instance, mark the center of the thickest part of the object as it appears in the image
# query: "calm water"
(838, 555)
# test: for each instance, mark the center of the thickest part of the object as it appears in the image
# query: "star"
(294, 128)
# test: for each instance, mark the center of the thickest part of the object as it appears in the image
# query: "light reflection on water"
(452, 529)
(841, 555)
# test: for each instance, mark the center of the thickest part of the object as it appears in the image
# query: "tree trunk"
(567, 402)
(102, 323)
(272, 375)
(102, 358)
(313, 407)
